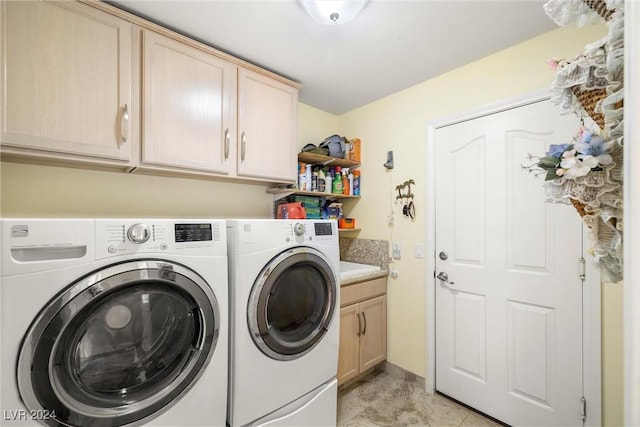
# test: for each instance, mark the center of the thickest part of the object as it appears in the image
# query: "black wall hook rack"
(408, 208)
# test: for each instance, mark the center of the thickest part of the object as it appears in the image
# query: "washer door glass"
(120, 345)
(292, 303)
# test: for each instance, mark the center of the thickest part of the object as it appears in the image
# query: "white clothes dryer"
(114, 322)
(284, 303)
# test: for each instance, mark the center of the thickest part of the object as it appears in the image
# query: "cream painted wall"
(612, 357)
(314, 125)
(399, 123)
(48, 191)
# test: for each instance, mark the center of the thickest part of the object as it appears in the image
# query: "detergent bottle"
(356, 182)
(337, 181)
(345, 181)
(321, 181)
(302, 178)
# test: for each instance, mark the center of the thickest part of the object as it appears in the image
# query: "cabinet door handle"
(359, 324)
(124, 124)
(364, 317)
(243, 146)
(227, 138)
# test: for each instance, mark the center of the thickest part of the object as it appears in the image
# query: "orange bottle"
(345, 181)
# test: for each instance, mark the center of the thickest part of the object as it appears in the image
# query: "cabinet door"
(67, 81)
(373, 339)
(266, 127)
(349, 356)
(188, 107)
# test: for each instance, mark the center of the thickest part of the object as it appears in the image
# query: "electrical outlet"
(397, 251)
(419, 250)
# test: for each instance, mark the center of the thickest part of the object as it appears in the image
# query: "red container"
(291, 211)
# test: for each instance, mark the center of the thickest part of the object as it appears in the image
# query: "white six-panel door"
(509, 319)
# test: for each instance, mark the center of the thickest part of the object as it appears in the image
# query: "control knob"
(298, 229)
(138, 233)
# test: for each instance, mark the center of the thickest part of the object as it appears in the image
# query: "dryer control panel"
(308, 231)
(257, 235)
(122, 237)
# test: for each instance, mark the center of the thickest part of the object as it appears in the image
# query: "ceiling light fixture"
(333, 12)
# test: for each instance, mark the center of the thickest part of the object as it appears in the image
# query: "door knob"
(444, 277)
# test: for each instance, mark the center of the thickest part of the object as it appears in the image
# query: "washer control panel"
(122, 237)
(186, 233)
(138, 233)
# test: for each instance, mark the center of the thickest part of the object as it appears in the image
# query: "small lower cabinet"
(363, 327)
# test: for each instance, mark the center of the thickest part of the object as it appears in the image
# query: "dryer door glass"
(119, 345)
(292, 303)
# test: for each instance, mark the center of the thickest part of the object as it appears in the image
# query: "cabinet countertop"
(364, 277)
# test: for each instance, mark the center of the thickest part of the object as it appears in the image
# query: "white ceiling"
(390, 46)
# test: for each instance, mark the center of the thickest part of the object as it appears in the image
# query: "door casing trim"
(631, 307)
(591, 305)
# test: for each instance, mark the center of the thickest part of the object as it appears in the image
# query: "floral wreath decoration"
(588, 152)
(587, 171)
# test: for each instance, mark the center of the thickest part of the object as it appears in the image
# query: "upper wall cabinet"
(188, 108)
(66, 69)
(94, 85)
(266, 127)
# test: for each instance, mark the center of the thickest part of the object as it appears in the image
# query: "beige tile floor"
(382, 399)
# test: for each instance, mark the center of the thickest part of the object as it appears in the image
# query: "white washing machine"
(284, 303)
(113, 322)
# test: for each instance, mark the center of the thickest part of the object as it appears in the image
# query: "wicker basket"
(580, 207)
(588, 98)
(600, 7)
